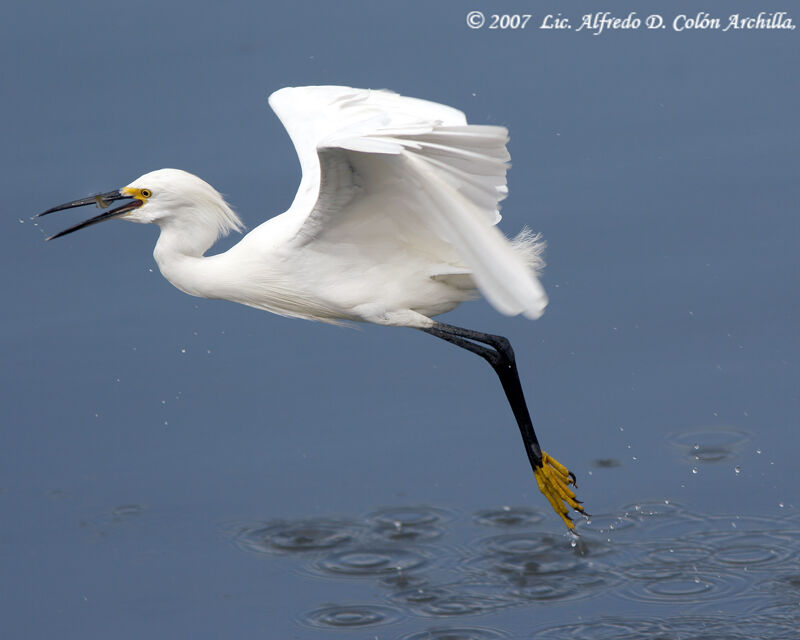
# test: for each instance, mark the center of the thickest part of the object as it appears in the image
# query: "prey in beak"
(102, 200)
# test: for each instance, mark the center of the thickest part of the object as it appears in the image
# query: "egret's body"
(393, 224)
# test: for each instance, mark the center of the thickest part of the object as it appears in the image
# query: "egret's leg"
(552, 477)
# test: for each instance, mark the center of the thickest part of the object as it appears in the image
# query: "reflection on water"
(606, 463)
(651, 553)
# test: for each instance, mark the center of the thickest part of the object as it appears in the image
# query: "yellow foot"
(554, 479)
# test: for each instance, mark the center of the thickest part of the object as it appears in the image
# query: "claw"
(554, 479)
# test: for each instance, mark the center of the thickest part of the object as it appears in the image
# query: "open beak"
(102, 200)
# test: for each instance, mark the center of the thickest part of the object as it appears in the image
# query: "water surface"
(180, 467)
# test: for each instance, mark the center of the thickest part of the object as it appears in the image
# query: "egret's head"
(167, 197)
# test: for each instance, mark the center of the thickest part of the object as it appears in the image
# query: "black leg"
(501, 357)
(552, 477)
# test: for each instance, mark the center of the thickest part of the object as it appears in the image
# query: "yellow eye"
(146, 193)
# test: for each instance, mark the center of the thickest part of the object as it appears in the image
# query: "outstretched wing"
(379, 166)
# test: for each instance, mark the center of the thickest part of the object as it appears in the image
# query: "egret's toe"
(554, 481)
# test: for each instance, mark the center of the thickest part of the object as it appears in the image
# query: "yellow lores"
(127, 192)
(554, 479)
(139, 194)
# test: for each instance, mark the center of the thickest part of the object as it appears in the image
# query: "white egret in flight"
(393, 223)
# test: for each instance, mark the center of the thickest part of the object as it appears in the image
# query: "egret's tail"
(530, 247)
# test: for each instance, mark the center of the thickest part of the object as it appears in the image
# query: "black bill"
(102, 200)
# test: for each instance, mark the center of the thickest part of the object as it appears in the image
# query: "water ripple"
(371, 561)
(723, 627)
(648, 510)
(754, 550)
(572, 586)
(352, 615)
(528, 543)
(657, 553)
(452, 600)
(678, 553)
(457, 633)
(607, 523)
(696, 586)
(509, 517)
(537, 566)
(408, 524)
(295, 536)
(709, 445)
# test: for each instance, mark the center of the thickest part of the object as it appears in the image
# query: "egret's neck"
(179, 255)
(185, 238)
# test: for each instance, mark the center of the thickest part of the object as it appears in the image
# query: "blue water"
(178, 467)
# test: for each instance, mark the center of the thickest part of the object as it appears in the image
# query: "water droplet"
(183, 349)
(737, 469)
(695, 470)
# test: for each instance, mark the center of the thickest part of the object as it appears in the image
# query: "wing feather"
(366, 154)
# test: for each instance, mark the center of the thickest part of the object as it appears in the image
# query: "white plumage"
(393, 221)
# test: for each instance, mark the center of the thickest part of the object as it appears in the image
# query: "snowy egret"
(393, 223)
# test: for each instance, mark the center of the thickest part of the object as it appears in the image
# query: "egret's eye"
(146, 193)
